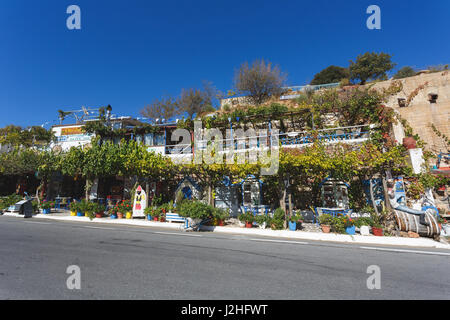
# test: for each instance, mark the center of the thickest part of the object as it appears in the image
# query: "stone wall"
(421, 113)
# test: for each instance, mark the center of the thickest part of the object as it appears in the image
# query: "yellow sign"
(70, 131)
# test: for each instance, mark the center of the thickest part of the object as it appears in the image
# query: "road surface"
(128, 262)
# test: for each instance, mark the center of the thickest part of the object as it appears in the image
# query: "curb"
(315, 236)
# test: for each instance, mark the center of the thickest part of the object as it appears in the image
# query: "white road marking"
(37, 222)
(407, 251)
(96, 227)
(178, 234)
(282, 241)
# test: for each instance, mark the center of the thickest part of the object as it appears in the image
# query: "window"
(159, 139)
(432, 97)
(138, 138)
(148, 139)
(402, 102)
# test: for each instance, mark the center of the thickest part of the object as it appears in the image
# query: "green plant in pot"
(295, 221)
(248, 218)
(89, 210)
(377, 226)
(277, 221)
(99, 209)
(74, 208)
(220, 215)
(263, 221)
(326, 220)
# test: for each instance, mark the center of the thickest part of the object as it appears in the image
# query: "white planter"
(364, 230)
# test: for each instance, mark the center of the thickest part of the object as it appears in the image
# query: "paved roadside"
(282, 234)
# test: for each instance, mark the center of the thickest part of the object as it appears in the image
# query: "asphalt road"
(124, 262)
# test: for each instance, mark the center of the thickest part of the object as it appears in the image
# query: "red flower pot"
(377, 231)
(248, 224)
(99, 215)
(155, 218)
(221, 223)
(162, 219)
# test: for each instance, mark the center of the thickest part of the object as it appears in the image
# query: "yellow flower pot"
(129, 215)
(73, 213)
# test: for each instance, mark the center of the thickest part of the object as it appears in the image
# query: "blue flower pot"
(80, 214)
(292, 226)
(350, 230)
(149, 217)
(45, 211)
(113, 216)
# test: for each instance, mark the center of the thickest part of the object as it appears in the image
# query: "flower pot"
(129, 215)
(45, 211)
(162, 219)
(350, 230)
(377, 231)
(80, 214)
(99, 215)
(326, 228)
(113, 216)
(292, 225)
(73, 213)
(364, 230)
(155, 218)
(220, 223)
(248, 224)
(119, 215)
(149, 217)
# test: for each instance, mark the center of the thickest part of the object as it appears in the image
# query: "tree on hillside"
(330, 74)
(259, 81)
(405, 72)
(194, 101)
(163, 108)
(371, 66)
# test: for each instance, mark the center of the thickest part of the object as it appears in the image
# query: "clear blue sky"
(130, 52)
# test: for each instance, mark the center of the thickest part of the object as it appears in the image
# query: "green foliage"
(364, 221)
(247, 217)
(331, 74)
(47, 205)
(405, 72)
(296, 218)
(220, 214)
(195, 209)
(6, 202)
(326, 219)
(370, 66)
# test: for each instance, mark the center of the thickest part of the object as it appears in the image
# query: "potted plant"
(220, 215)
(113, 212)
(295, 221)
(349, 225)
(99, 209)
(325, 221)
(73, 208)
(46, 207)
(248, 219)
(149, 212)
(263, 221)
(89, 210)
(364, 224)
(377, 227)
(278, 219)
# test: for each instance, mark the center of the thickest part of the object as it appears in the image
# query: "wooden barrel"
(410, 222)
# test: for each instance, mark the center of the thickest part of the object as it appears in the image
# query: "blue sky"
(129, 52)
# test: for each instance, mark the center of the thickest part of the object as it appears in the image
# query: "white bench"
(174, 217)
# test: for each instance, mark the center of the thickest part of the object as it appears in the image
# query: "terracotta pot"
(120, 215)
(248, 224)
(377, 231)
(409, 143)
(221, 223)
(162, 219)
(326, 228)
(99, 215)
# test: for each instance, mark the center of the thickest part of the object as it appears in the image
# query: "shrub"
(326, 219)
(195, 209)
(8, 201)
(247, 217)
(277, 222)
(363, 221)
(296, 218)
(220, 214)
